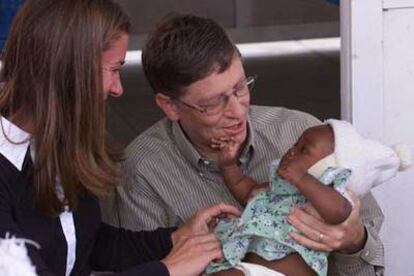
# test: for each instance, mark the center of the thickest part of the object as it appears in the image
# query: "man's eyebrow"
(236, 85)
(223, 92)
(239, 82)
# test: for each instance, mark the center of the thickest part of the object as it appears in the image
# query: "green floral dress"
(263, 228)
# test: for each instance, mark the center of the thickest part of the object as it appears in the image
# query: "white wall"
(378, 97)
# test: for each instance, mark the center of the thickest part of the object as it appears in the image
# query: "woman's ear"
(168, 106)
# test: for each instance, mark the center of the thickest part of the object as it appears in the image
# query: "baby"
(319, 167)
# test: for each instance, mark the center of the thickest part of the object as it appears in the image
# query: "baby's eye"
(304, 150)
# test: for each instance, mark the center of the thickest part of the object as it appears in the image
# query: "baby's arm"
(330, 204)
(241, 186)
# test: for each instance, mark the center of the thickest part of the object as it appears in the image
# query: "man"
(170, 169)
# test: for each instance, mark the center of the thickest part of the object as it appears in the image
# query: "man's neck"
(213, 154)
(207, 153)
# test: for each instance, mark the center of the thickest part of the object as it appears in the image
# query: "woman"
(61, 61)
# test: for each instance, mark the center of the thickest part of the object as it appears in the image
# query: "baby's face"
(314, 144)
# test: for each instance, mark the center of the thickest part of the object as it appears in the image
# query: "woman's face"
(112, 61)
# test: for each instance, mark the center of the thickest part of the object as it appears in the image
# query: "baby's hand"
(291, 168)
(227, 148)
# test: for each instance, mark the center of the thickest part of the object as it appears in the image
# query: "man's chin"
(240, 137)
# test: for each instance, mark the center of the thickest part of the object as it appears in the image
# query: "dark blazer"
(99, 246)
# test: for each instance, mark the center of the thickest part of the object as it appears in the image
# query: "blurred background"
(292, 45)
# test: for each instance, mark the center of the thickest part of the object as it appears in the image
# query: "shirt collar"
(14, 142)
(192, 155)
(248, 149)
(184, 145)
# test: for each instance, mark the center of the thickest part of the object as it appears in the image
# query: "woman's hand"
(347, 237)
(204, 220)
(191, 255)
(194, 247)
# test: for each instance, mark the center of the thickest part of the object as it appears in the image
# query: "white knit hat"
(14, 260)
(371, 162)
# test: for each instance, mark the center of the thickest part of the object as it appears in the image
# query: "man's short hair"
(183, 49)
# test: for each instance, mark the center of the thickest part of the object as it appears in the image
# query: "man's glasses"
(218, 104)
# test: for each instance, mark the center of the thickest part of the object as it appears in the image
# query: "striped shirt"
(166, 180)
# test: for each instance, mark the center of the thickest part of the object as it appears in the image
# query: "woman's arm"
(9, 225)
(116, 248)
(184, 251)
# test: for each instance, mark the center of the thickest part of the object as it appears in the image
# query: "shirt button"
(366, 253)
(206, 162)
(201, 174)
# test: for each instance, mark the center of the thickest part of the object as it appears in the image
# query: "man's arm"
(357, 249)
(369, 260)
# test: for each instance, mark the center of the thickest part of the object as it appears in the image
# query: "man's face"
(230, 122)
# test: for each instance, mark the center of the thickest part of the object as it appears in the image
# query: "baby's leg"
(291, 265)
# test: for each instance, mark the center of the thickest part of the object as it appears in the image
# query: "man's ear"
(168, 106)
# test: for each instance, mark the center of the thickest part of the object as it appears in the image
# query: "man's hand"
(347, 237)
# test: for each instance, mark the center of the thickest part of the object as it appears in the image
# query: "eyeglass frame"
(250, 82)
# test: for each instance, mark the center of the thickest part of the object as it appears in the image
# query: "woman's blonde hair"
(52, 75)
